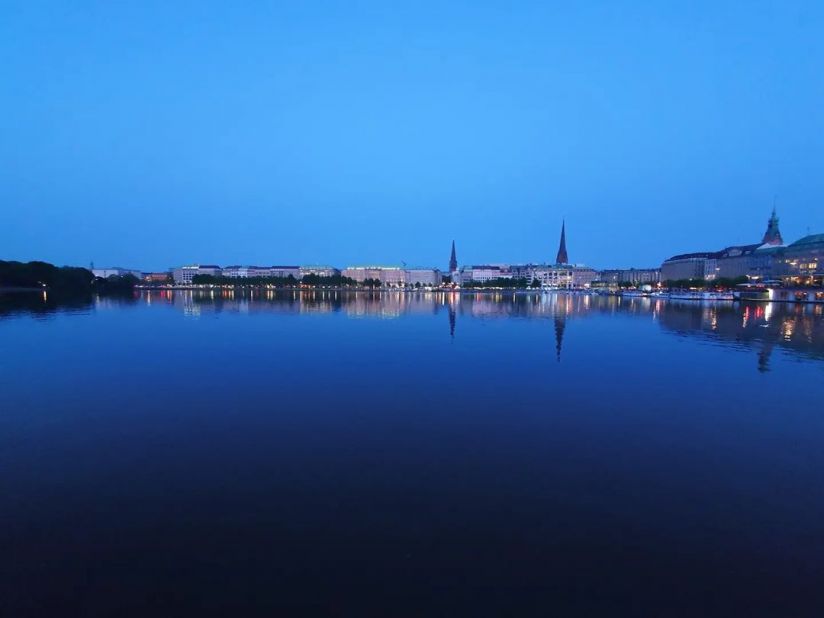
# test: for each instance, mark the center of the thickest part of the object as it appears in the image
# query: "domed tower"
(773, 235)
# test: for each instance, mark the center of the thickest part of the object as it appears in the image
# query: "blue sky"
(150, 134)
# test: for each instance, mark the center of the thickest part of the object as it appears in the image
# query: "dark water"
(420, 455)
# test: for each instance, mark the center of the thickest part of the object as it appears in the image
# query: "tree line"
(278, 282)
(63, 279)
(44, 275)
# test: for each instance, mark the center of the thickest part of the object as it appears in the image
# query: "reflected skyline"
(764, 327)
(795, 328)
(452, 429)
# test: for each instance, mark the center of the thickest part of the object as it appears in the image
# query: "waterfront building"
(802, 262)
(552, 276)
(563, 276)
(755, 261)
(184, 274)
(634, 276)
(428, 277)
(116, 271)
(689, 266)
(555, 276)
(283, 272)
(387, 275)
(259, 271)
(159, 277)
(245, 272)
(236, 272)
(527, 271)
(484, 272)
(320, 271)
(583, 276)
(751, 261)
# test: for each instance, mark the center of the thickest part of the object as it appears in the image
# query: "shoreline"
(351, 289)
(698, 298)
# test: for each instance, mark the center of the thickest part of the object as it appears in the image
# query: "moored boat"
(700, 296)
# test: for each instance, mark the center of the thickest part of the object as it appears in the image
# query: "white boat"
(718, 296)
(635, 293)
(685, 295)
(701, 296)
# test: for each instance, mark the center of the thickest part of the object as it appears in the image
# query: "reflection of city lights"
(793, 325)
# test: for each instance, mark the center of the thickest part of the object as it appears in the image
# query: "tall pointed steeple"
(562, 257)
(453, 260)
(773, 235)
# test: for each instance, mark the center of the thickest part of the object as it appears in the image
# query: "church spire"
(453, 260)
(562, 257)
(773, 235)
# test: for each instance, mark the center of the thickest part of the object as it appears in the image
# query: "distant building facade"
(159, 277)
(184, 274)
(801, 262)
(755, 261)
(562, 276)
(583, 276)
(428, 277)
(387, 275)
(320, 271)
(235, 272)
(689, 266)
(283, 272)
(751, 261)
(483, 273)
(635, 276)
(116, 271)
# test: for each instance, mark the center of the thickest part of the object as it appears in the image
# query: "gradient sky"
(150, 134)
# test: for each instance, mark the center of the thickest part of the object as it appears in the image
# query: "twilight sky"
(150, 134)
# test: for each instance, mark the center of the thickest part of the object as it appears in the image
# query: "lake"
(422, 454)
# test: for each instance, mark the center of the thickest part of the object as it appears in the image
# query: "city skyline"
(771, 237)
(453, 265)
(358, 134)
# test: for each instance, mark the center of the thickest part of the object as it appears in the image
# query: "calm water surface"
(410, 455)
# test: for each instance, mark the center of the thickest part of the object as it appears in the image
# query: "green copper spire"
(773, 235)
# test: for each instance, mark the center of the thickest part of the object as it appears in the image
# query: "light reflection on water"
(795, 328)
(409, 454)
